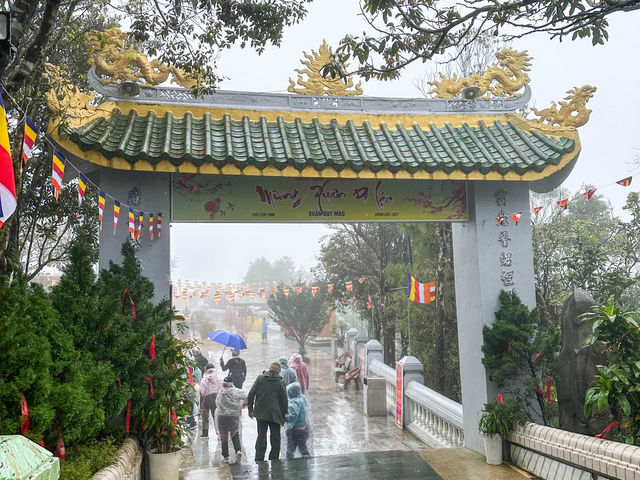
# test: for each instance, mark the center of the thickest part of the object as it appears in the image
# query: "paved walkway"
(339, 426)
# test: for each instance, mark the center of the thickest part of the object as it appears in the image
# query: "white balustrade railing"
(435, 419)
(379, 369)
(361, 357)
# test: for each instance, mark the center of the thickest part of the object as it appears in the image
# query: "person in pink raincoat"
(301, 369)
(209, 387)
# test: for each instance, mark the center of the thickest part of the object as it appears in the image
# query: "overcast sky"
(610, 140)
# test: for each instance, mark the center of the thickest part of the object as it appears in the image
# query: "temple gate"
(324, 153)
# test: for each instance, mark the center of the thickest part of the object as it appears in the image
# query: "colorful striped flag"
(516, 217)
(625, 182)
(57, 173)
(101, 200)
(116, 214)
(151, 226)
(286, 292)
(298, 290)
(420, 292)
(589, 193)
(8, 199)
(216, 299)
(362, 279)
(159, 227)
(132, 230)
(314, 291)
(349, 285)
(330, 287)
(30, 134)
(82, 187)
(139, 229)
(369, 302)
(536, 210)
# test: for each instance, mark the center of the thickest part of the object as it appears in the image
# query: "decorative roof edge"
(312, 103)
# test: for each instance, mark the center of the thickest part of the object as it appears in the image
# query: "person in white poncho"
(230, 402)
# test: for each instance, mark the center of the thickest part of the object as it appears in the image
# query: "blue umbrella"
(228, 339)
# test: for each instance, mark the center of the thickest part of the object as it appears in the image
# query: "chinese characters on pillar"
(504, 240)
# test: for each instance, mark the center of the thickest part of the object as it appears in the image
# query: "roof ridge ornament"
(317, 84)
(573, 113)
(118, 64)
(66, 99)
(503, 79)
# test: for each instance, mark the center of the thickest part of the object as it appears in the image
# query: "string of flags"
(8, 199)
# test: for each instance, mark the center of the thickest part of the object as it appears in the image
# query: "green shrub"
(85, 460)
(501, 418)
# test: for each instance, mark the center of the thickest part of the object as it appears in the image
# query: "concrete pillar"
(149, 192)
(374, 352)
(488, 256)
(360, 340)
(411, 372)
(350, 346)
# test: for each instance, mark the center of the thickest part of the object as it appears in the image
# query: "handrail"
(442, 406)
(382, 370)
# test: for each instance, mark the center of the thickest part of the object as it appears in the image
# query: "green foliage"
(84, 460)
(616, 386)
(301, 314)
(511, 347)
(501, 418)
(262, 270)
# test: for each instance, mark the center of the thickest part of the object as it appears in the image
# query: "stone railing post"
(411, 372)
(374, 352)
(350, 347)
(360, 341)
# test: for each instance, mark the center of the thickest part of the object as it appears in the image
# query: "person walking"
(230, 402)
(301, 369)
(298, 422)
(265, 330)
(287, 373)
(267, 403)
(209, 387)
(237, 368)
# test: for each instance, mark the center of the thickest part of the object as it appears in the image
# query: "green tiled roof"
(500, 147)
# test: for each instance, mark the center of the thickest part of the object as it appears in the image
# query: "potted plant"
(498, 419)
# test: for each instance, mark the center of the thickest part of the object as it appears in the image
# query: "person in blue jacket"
(298, 422)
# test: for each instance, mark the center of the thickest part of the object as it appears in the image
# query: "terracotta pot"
(164, 466)
(493, 449)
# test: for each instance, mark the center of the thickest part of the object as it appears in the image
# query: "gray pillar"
(153, 195)
(374, 352)
(360, 341)
(488, 257)
(350, 347)
(411, 372)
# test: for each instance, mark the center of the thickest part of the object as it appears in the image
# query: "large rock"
(577, 366)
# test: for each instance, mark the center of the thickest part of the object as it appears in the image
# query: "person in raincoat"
(230, 402)
(209, 387)
(301, 369)
(236, 366)
(267, 402)
(297, 422)
(287, 373)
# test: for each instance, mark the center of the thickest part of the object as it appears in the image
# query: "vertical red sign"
(364, 366)
(399, 394)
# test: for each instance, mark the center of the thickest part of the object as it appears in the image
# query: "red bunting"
(625, 182)
(536, 210)
(128, 417)
(536, 356)
(174, 419)
(562, 203)
(516, 217)
(548, 389)
(133, 306)
(539, 391)
(501, 219)
(148, 379)
(609, 427)
(589, 193)
(191, 376)
(24, 411)
(61, 451)
(152, 347)
(499, 398)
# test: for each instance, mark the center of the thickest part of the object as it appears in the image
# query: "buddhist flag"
(132, 229)
(151, 226)
(516, 217)
(625, 182)
(298, 290)
(349, 285)
(562, 203)
(501, 219)
(420, 292)
(536, 210)
(362, 279)
(30, 134)
(216, 299)
(330, 287)
(101, 200)
(116, 214)
(369, 302)
(82, 187)
(286, 292)
(159, 227)
(314, 291)
(140, 218)
(57, 173)
(589, 193)
(8, 199)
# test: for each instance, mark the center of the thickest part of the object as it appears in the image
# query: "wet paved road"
(339, 425)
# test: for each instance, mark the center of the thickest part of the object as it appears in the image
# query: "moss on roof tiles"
(498, 147)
